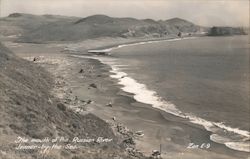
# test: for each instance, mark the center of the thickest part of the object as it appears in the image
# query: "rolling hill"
(21, 24)
(45, 28)
(51, 28)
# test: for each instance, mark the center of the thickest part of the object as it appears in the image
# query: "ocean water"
(204, 80)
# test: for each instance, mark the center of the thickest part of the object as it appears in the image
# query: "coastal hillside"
(18, 24)
(46, 28)
(176, 25)
(28, 110)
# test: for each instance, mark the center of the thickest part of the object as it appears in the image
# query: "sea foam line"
(144, 95)
(137, 43)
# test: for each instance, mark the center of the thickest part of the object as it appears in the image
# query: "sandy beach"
(116, 79)
(88, 80)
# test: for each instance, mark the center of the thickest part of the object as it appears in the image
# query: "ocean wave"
(144, 95)
(242, 145)
(239, 146)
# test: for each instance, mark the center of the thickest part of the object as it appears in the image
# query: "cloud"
(203, 12)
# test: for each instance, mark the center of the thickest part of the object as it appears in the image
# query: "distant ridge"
(15, 15)
(149, 21)
(99, 18)
(47, 28)
(176, 20)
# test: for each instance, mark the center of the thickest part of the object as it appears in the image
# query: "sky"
(202, 12)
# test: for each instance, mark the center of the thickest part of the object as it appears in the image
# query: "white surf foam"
(144, 95)
(136, 43)
(239, 146)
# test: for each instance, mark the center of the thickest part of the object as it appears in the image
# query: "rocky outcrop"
(225, 31)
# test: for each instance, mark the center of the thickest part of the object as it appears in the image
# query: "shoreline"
(155, 100)
(123, 104)
(65, 91)
(52, 117)
(107, 49)
(161, 116)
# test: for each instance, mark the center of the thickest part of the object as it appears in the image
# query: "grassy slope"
(56, 28)
(16, 23)
(28, 109)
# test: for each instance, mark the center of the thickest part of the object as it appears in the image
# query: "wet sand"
(108, 102)
(158, 127)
